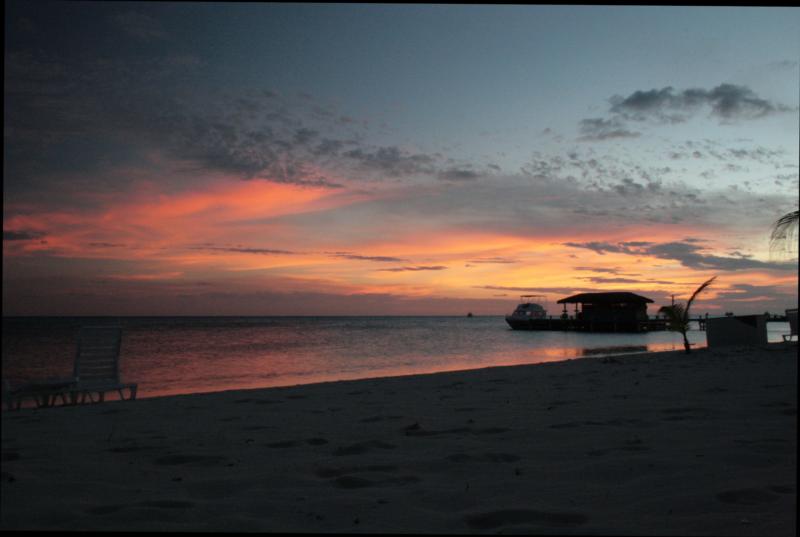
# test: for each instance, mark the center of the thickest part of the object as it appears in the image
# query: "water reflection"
(168, 356)
(621, 349)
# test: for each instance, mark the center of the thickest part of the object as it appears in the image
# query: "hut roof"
(615, 297)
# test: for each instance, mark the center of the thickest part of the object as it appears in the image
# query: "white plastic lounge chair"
(791, 316)
(44, 392)
(96, 371)
(97, 365)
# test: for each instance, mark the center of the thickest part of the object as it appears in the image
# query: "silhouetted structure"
(609, 312)
(617, 311)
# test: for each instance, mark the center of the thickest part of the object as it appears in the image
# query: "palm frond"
(697, 292)
(784, 233)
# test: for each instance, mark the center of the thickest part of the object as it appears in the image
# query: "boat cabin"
(529, 309)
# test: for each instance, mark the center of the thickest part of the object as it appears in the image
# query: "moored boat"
(526, 312)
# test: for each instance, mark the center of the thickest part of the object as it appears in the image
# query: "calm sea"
(180, 355)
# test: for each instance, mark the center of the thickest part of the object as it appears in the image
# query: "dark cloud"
(377, 258)
(601, 280)
(603, 247)
(688, 253)
(782, 65)
(458, 174)
(601, 270)
(600, 129)
(726, 102)
(106, 245)
(22, 235)
(69, 114)
(421, 267)
(243, 250)
(554, 290)
(393, 161)
(744, 295)
(491, 260)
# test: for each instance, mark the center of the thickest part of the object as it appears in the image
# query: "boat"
(526, 312)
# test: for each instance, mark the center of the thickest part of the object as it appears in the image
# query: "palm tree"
(784, 233)
(678, 315)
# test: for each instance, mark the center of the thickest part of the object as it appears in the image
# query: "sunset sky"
(268, 159)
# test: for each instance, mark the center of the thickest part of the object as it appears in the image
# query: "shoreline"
(425, 374)
(650, 443)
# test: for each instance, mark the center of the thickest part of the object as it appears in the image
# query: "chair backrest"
(791, 316)
(97, 359)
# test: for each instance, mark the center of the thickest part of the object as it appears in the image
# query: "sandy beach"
(651, 444)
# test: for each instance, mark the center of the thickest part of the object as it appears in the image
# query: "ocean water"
(181, 355)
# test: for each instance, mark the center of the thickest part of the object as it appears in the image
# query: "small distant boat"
(470, 314)
(526, 311)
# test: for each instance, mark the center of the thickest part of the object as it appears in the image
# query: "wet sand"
(650, 444)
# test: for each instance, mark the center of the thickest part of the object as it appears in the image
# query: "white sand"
(658, 444)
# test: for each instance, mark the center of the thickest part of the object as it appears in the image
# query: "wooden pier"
(571, 324)
(613, 311)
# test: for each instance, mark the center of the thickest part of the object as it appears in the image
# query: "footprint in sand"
(258, 427)
(267, 402)
(747, 496)
(374, 419)
(168, 504)
(484, 457)
(327, 473)
(352, 482)
(419, 432)
(491, 430)
(510, 517)
(103, 509)
(343, 479)
(129, 449)
(195, 460)
(362, 447)
(568, 425)
(451, 385)
(283, 444)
